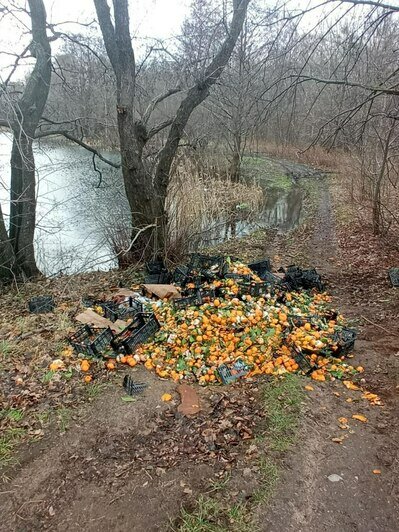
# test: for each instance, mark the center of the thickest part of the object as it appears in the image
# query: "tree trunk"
(7, 257)
(27, 114)
(23, 204)
(145, 192)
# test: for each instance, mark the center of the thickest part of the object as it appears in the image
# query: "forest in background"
(314, 82)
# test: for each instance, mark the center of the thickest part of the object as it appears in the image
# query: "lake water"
(73, 213)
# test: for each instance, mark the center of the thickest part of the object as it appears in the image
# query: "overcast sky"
(149, 18)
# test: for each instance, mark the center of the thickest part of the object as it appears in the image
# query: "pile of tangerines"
(273, 334)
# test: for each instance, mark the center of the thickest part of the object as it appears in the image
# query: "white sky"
(149, 18)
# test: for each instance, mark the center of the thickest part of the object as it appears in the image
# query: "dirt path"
(360, 500)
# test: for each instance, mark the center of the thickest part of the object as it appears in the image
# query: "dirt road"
(360, 500)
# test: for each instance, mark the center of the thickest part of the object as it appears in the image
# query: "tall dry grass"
(202, 201)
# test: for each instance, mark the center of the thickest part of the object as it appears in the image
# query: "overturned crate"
(142, 328)
(41, 304)
(91, 341)
(345, 341)
(261, 267)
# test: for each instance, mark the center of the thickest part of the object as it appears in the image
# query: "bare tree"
(16, 247)
(146, 188)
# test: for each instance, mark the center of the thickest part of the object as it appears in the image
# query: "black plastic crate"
(155, 266)
(138, 321)
(110, 310)
(206, 265)
(142, 335)
(311, 279)
(260, 267)
(41, 304)
(189, 301)
(129, 309)
(163, 277)
(345, 340)
(206, 295)
(259, 289)
(272, 280)
(296, 279)
(303, 362)
(91, 341)
(132, 387)
(393, 275)
(181, 275)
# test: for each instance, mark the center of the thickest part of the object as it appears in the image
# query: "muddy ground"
(131, 465)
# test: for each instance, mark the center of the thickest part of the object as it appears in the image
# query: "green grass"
(64, 417)
(5, 348)
(93, 390)
(211, 515)
(13, 414)
(8, 440)
(282, 399)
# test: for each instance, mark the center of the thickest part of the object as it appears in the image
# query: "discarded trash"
(230, 374)
(92, 318)
(132, 387)
(334, 478)
(296, 278)
(141, 329)
(261, 267)
(90, 341)
(41, 304)
(393, 275)
(189, 405)
(345, 340)
(161, 291)
(224, 322)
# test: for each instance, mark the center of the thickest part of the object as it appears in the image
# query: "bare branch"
(156, 129)
(160, 98)
(372, 3)
(81, 143)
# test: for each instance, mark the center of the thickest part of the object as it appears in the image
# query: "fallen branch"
(379, 326)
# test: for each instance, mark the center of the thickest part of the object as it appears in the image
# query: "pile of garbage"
(217, 319)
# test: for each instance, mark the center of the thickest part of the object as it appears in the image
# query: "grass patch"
(282, 400)
(64, 417)
(5, 348)
(8, 441)
(13, 414)
(210, 515)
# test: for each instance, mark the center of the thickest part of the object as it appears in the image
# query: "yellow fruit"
(88, 378)
(166, 397)
(360, 417)
(85, 365)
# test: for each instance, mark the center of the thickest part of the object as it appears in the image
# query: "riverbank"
(78, 476)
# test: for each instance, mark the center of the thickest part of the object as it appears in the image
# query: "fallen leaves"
(350, 385)
(360, 417)
(338, 440)
(225, 421)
